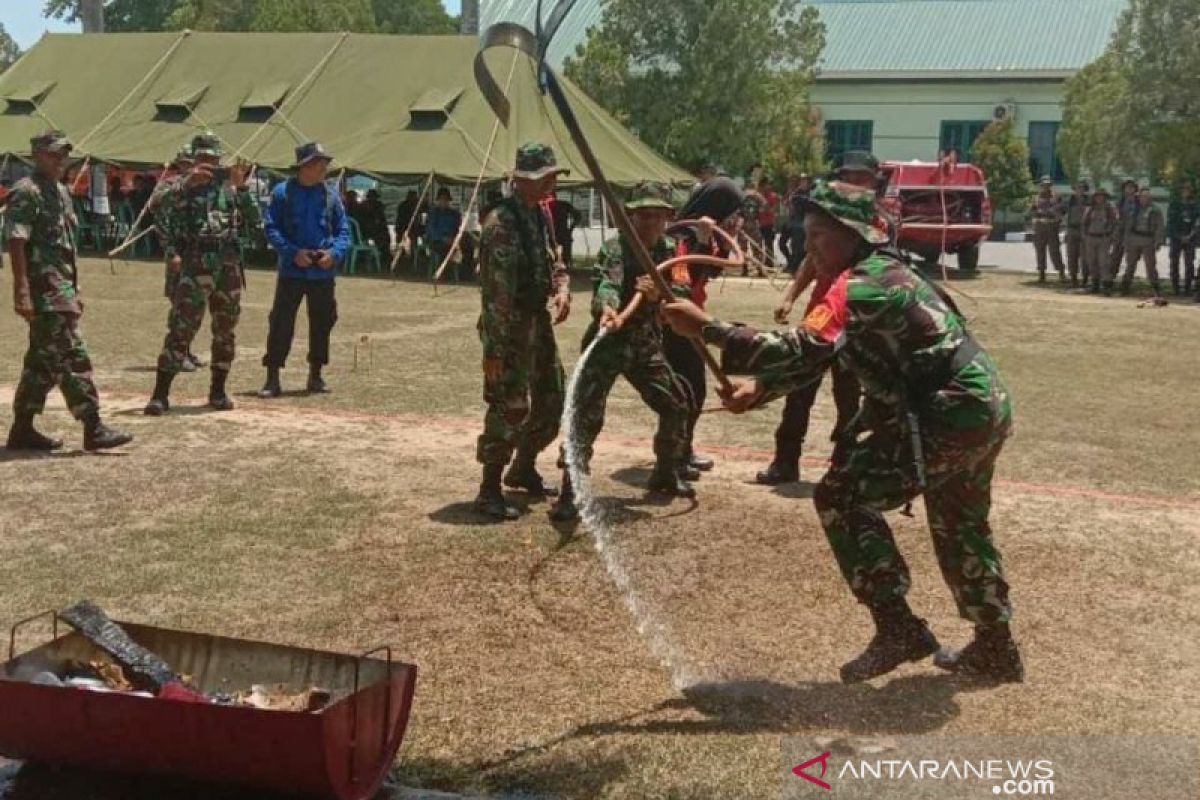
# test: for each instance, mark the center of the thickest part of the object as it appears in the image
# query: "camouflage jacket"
(517, 273)
(204, 219)
(899, 334)
(614, 280)
(39, 211)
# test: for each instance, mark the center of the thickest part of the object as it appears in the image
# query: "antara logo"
(823, 760)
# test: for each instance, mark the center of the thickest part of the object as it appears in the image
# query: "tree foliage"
(413, 17)
(9, 51)
(360, 16)
(1137, 108)
(725, 80)
(1004, 158)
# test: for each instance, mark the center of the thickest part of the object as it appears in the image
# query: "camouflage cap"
(206, 144)
(50, 142)
(851, 205)
(650, 194)
(535, 161)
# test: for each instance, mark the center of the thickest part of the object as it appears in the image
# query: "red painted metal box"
(343, 751)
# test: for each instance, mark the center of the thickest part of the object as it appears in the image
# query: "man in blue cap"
(306, 223)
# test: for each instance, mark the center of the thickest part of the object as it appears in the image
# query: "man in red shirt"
(860, 169)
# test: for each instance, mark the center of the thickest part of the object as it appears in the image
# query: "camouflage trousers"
(637, 355)
(56, 356)
(525, 403)
(220, 290)
(877, 475)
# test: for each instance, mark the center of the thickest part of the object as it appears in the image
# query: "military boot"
(316, 384)
(699, 462)
(23, 436)
(98, 436)
(991, 656)
(491, 502)
(272, 388)
(687, 471)
(564, 509)
(160, 402)
(523, 474)
(780, 471)
(666, 479)
(218, 400)
(899, 637)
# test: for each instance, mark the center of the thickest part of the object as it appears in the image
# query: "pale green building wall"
(908, 116)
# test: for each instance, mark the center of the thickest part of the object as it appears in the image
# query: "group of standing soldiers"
(1103, 236)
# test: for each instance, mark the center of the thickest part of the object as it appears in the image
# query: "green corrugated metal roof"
(972, 36)
(940, 36)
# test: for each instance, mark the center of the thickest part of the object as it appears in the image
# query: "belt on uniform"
(964, 354)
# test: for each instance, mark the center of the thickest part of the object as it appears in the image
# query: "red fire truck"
(938, 208)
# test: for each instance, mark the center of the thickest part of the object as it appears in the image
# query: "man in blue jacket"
(306, 224)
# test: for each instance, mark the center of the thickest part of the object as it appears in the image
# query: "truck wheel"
(968, 258)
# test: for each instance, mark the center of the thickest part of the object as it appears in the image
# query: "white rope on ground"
(411, 221)
(478, 180)
(163, 60)
(300, 89)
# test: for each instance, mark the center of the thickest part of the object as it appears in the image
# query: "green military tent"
(395, 107)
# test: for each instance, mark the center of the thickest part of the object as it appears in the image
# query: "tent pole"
(408, 228)
(478, 181)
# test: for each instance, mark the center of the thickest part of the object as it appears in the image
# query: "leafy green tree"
(9, 51)
(1136, 109)
(1004, 158)
(413, 17)
(712, 79)
(313, 15)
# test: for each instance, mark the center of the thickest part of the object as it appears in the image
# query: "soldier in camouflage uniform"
(41, 222)
(182, 164)
(935, 418)
(523, 377)
(633, 347)
(200, 215)
(1047, 214)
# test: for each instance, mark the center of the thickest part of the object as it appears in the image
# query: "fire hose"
(509, 34)
(736, 260)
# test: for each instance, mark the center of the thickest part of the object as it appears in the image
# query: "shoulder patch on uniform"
(827, 319)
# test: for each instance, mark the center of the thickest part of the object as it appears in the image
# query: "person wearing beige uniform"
(1145, 232)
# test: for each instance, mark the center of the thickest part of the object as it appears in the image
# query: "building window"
(843, 135)
(961, 135)
(1043, 151)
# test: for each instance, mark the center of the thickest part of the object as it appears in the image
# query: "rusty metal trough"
(342, 751)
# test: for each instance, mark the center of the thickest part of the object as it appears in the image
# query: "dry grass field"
(343, 521)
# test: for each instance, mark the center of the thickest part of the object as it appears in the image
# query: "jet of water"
(598, 521)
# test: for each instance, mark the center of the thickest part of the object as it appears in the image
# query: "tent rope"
(297, 94)
(411, 221)
(133, 235)
(161, 62)
(462, 226)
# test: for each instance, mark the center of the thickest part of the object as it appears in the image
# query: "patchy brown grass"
(342, 522)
